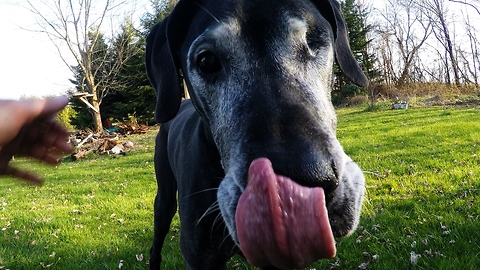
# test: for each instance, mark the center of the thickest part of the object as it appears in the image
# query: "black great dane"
(253, 154)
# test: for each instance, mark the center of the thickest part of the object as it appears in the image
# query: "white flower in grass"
(414, 258)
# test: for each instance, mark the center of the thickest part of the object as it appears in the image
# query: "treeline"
(428, 41)
(399, 43)
(414, 47)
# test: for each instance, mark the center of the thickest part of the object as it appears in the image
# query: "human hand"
(28, 129)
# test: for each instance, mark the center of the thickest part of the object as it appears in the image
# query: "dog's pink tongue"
(281, 223)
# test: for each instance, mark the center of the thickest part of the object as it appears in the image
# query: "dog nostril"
(335, 172)
(330, 179)
(322, 174)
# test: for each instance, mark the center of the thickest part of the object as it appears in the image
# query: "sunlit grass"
(423, 179)
(422, 168)
(90, 214)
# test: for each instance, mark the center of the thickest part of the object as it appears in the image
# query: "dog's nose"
(322, 174)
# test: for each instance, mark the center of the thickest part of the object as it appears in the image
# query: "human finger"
(42, 135)
(50, 156)
(57, 137)
(23, 175)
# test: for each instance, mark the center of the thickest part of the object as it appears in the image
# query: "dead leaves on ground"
(113, 142)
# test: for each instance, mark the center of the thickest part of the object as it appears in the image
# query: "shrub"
(65, 116)
(357, 100)
(342, 96)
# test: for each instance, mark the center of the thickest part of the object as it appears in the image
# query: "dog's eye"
(316, 39)
(208, 62)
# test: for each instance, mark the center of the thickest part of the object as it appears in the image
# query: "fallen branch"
(85, 140)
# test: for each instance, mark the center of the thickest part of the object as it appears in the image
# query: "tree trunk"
(97, 118)
(449, 48)
(96, 115)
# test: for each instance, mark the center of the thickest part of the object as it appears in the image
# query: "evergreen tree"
(358, 29)
(135, 97)
(161, 9)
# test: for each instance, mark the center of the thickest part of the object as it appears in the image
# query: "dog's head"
(260, 75)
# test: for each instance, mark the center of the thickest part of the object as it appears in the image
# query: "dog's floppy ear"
(162, 59)
(331, 11)
(162, 73)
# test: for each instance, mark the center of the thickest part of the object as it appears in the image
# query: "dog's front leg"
(165, 205)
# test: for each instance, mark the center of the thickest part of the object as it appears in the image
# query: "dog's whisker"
(233, 247)
(225, 239)
(201, 191)
(218, 218)
(209, 13)
(218, 221)
(210, 210)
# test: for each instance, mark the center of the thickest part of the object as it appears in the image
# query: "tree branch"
(468, 4)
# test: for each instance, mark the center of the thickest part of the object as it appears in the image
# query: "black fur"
(254, 106)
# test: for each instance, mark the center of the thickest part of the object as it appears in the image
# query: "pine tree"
(161, 9)
(137, 98)
(358, 30)
(133, 96)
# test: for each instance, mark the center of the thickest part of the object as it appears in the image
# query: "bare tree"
(474, 4)
(386, 57)
(436, 11)
(404, 28)
(475, 51)
(470, 57)
(77, 26)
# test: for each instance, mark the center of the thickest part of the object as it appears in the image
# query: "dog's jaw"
(343, 210)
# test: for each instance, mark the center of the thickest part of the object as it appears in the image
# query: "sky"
(30, 65)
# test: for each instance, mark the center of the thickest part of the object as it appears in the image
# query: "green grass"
(422, 168)
(90, 214)
(423, 184)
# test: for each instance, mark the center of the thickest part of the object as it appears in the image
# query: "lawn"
(421, 212)
(95, 213)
